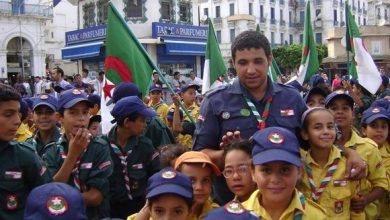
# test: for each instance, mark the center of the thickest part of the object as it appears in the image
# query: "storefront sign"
(167, 30)
(86, 35)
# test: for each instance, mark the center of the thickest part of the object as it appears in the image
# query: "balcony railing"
(263, 20)
(318, 2)
(378, 16)
(335, 23)
(342, 23)
(291, 3)
(354, 8)
(301, 4)
(217, 20)
(364, 11)
(273, 21)
(26, 9)
(281, 2)
(282, 23)
(335, 3)
(299, 24)
(360, 10)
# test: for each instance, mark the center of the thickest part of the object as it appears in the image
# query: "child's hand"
(228, 138)
(79, 142)
(358, 203)
(176, 99)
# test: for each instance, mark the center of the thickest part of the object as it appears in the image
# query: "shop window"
(134, 9)
(318, 38)
(219, 36)
(185, 12)
(89, 15)
(102, 6)
(218, 11)
(232, 35)
(166, 10)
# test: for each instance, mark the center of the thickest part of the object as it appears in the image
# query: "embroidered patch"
(287, 112)
(276, 138)
(225, 115)
(375, 110)
(340, 183)
(338, 207)
(42, 171)
(43, 97)
(340, 92)
(56, 205)
(13, 175)
(245, 112)
(86, 166)
(138, 166)
(201, 118)
(168, 175)
(234, 207)
(76, 92)
(104, 164)
(12, 202)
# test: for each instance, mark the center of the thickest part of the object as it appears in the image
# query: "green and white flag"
(214, 66)
(362, 66)
(309, 62)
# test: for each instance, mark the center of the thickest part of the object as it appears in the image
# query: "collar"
(55, 136)
(132, 141)
(354, 140)
(272, 88)
(334, 154)
(207, 207)
(6, 144)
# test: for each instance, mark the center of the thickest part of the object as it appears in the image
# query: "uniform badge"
(275, 138)
(340, 92)
(76, 92)
(86, 166)
(234, 207)
(12, 202)
(225, 115)
(287, 112)
(339, 183)
(12, 175)
(135, 185)
(245, 112)
(57, 205)
(43, 97)
(375, 110)
(168, 175)
(338, 207)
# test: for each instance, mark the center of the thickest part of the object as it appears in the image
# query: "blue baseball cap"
(338, 94)
(47, 100)
(314, 91)
(94, 99)
(316, 80)
(186, 87)
(23, 109)
(155, 87)
(385, 80)
(130, 105)
(55, 201)
(61, 87)
(71, 97)
(384, 103)
(125, 89)
(233, 210)
(169, 181)
(275, 144)
(29, 102)
(373, 113)
(296, 85)
(171, 112)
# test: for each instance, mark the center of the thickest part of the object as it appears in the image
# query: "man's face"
(101, 77)
(252, 66)
(77, 79)
(55, 75)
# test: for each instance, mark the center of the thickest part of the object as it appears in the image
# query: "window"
(261, 11)
(232, 35)
(272, 38)
(291, 39)
(217, 11)
(219, 36)
(290, 18)
(281, 15)
(386, 14)
(281, 38)
(231, 9)
(250, 8)
(206, 11)
(301, 38)
(364, 21)
(52, 35)
(335, 15)
(134, 9)
(272, 13)
(185, 12)
(318, 38)
(166, 10)
(359, 5)
(302, 17)
(318, 12)
(359, 20)
(89, 15)
(102, 7)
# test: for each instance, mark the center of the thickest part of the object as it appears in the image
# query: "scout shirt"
(298, 204)
(385, 201)
(38, 145)
(142, 160)
(91, 170)
(161, 109)
(23, 133)
(337, 195)
(158, 132)
(376, 176)
(20, 172)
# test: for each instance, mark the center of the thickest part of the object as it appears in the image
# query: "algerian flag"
(214, 66)
(126, 61)
(362, 66)
(309, 62)
(273, 70)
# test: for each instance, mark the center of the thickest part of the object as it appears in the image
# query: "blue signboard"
(86, 35)
(177, 31)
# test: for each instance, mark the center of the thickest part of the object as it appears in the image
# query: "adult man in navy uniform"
(252, 102)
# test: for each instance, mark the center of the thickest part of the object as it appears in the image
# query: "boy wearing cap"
(23, 132)
(78, 159)
(199, 168)
(20, 167)
(161, 108)
(341, 104)
(95, 102)
(276, 159)
(133, 155)
(315, 97)
(44, 109)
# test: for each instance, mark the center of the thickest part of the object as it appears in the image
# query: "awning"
(81, 51)
(185, 48)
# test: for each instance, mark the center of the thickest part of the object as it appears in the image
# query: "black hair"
(77, 74)
(8, 93)
(85, 71)
(248, 40)
(59, 70)
(176, 73)
(131, 117)
(170, 152)
(243, 145)
(188, 201)
(101, 73)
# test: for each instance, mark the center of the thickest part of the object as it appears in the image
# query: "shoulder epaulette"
(24, 145)
(371, 142)
(100, 140)
(215, 90)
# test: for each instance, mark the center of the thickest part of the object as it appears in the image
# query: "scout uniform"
(161, 108)
(21, 171)
(327, 185)
(231, 211)
(385, 201)
(35, 141)
(133, 165)
(279, 144)
(92, 168)
(23, 132)
(231, 108)
(57, 201)
(156, 130)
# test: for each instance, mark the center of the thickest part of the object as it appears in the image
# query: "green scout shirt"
(38, 145)
(142, 162)
(158, 132)
(93, 170)
(20, 172)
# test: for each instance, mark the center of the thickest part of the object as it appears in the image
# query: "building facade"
(379, 12)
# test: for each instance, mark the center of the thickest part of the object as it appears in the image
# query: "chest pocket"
(283, 116)
(138, 180)
(234, 120)
(13, 194)
(340, 200)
